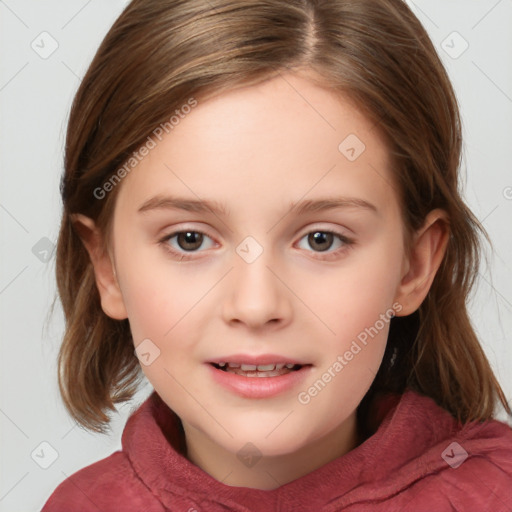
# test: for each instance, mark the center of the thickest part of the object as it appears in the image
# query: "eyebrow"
(209, 206)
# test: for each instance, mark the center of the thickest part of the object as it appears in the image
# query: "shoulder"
(474, 469)
(484, 468)
(440, 464)
(108, 485)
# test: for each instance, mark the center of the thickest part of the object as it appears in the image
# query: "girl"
(262, 216)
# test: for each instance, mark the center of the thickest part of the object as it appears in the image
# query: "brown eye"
(182, 242)
(189, 240)
(331, 243)
(321, 240)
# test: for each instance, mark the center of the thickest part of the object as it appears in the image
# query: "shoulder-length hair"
(161, 53)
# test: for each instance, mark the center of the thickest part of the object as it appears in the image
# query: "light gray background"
(35, 96)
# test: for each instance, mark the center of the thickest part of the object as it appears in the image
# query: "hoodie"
(419, 459)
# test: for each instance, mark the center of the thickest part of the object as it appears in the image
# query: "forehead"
(279, 140)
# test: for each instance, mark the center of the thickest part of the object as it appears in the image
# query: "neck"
(269, 472)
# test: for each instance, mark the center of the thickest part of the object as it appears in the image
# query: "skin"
(257, 149)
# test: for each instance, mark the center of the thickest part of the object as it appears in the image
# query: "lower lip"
(259, 387)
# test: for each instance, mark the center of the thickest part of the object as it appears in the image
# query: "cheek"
(353, 297)
(156, 292)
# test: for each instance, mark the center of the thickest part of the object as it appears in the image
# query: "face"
(297, 260)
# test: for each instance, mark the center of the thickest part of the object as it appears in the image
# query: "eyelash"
(347, 243)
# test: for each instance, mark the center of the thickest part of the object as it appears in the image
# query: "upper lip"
(257, 359)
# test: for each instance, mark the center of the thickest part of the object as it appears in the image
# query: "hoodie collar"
(154, 441)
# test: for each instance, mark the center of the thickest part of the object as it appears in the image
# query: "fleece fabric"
(419, 459)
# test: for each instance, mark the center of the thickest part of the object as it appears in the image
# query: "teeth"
(266, 367)
(261, 367)
(256, 368)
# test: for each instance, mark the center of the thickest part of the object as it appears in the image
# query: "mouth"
(259, 370)
(259, 376)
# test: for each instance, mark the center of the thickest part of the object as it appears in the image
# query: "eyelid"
(180, 228)
(319, 226)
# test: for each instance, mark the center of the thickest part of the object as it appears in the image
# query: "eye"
(186, 241)
(322, 241)
(179, 243)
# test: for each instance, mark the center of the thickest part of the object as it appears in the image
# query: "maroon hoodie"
(419, 459)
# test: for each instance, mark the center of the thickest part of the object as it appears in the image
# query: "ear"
(104, 270)
(421, 265)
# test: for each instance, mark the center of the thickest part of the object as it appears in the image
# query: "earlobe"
(426, 254)
(104, 270)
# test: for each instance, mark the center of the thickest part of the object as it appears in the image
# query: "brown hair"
(159, 54)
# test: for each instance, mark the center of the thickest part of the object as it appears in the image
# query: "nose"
(257, 295)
